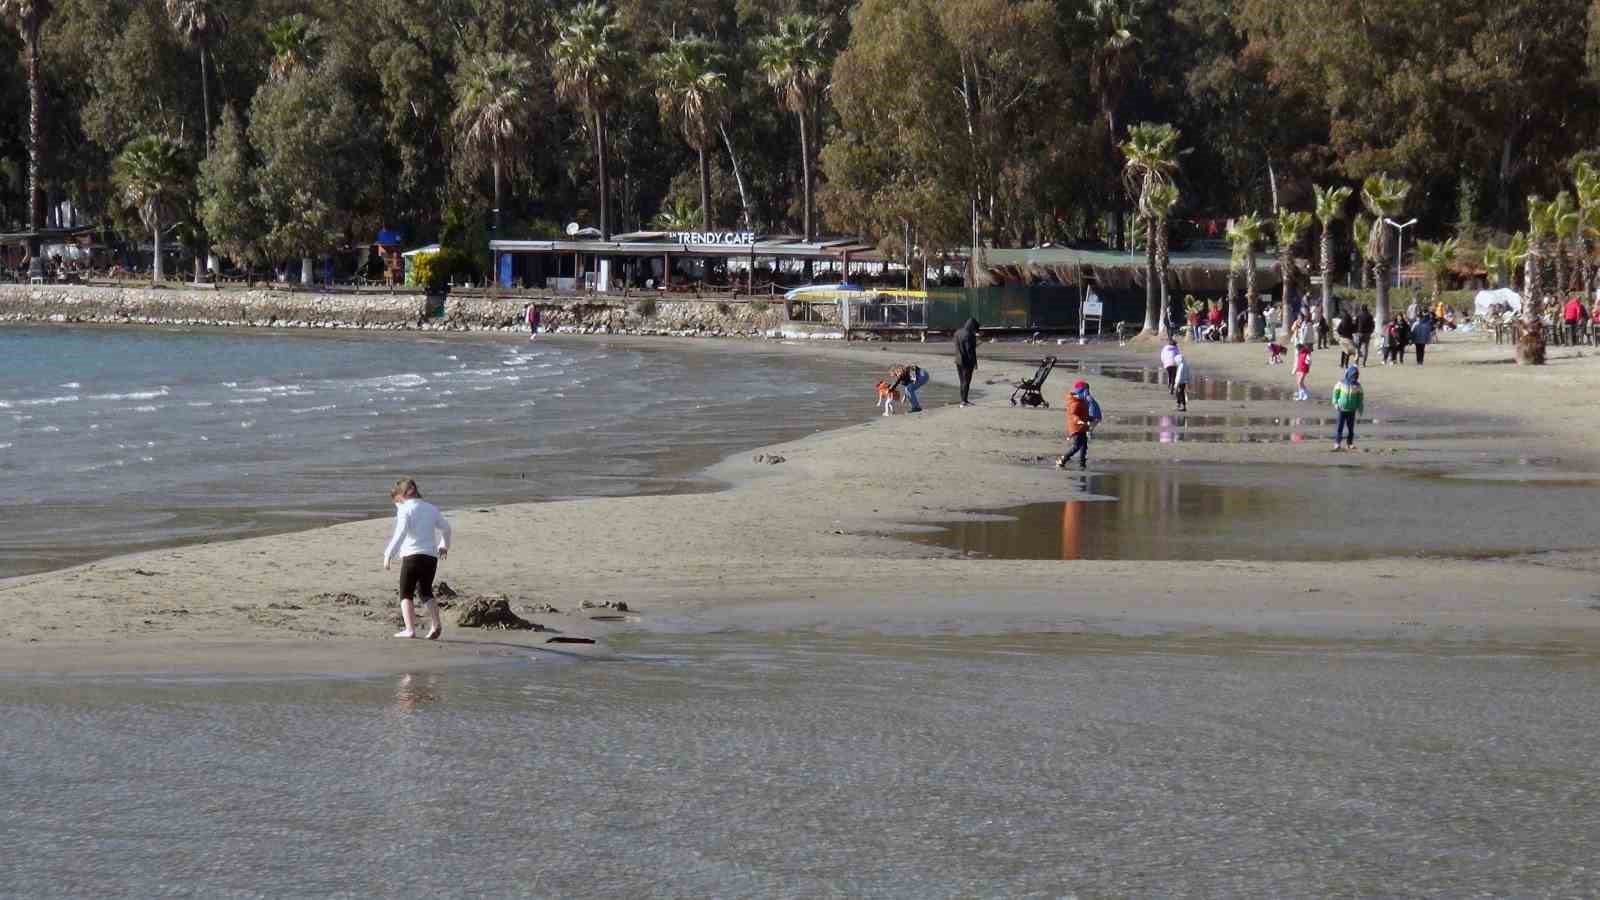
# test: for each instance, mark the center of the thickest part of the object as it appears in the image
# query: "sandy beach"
(808, 543)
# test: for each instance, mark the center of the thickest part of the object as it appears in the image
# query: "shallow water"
(113, 439)
(798, 766)
(1279, 513)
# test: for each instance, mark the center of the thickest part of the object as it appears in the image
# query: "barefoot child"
(1302, 369)
(421, 538)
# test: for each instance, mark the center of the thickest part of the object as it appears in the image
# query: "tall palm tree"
(1243, 235)
(1330, 203)
(1437, 259)
(1360, 243)
(1384, 198)
(1565, 226)
(794, 60)
(1495, 260)
(1291, 226)
(295, 41)
(691, 88)
(1541, 233)
(1151, 154)
(28, 17)
(1162, 200)
(1114, 25)
(1587, 179)
(588, 58)
(678, 216)
(200, 23)
(493, 97)
(152, 176)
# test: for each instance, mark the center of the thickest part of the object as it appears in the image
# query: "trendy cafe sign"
(742, 238)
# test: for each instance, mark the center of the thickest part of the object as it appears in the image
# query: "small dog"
(1275, 352)
(888, 397)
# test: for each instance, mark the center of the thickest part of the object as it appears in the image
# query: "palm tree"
(295, 41)
(691, 88)
(1541, 232)
(1384, 198)
(795, 62)
(28, 17)
(1360, 242)
(200, 23)
(588, 58)
(492, 92)
(151, 176)
(1243, 235)
(1114, 24)
(1291, 226)
(1437, 258)
(1565, 226)
(1330, 204)
(1587, 179)
(1495, 260)
(1151, 152)
(679, 216)
(1162, 200)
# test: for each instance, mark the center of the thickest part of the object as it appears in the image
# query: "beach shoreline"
(806, 544)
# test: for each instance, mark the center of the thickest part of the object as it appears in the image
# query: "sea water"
(799, 765)
(115, 439)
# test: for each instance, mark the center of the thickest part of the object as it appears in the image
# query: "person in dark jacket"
(967, 356)
(1422, 335)
(1347, 339)
(1365, 326)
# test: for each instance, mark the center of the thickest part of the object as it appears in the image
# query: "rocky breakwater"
(266, 307)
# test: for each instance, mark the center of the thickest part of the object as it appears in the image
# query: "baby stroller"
(1027, 392)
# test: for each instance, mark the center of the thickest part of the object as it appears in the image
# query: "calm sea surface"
(114, 439)
(739, 765)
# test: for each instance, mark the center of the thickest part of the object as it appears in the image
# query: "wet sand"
(809, 543)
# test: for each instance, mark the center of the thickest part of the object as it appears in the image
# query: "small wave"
(40, 401)
(315, 409)
(132, 395)
(230, 384)
(5, 446)
(51, 429)
(272, 389)
(241, 401)
(71, 385)
(394, 382)
(146, 409)
(200, 404)
(147, 459)
(248, 423)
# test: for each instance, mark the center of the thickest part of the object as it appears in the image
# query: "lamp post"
(1400, 246)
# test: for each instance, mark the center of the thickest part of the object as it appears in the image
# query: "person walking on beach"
(1321, 323)
(1347, 339)
(1169, 362)
(1180, 382)
(1422, 335)
(966, 339)
(1573, 314)
(421, 538)
(1080, 421)
(1348, 402)
(531, 316)
(1365, 326)
(1302, 370)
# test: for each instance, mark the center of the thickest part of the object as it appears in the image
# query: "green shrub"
(759, 306)
(646, 307)
(434, 271)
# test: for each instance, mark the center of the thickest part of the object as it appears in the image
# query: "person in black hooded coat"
(966, 339)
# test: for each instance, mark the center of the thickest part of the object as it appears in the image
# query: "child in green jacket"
(1348, 401)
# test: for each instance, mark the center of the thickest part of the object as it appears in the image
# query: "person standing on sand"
(1321, 323)
(966, 339)
(1573, 314)
(1080, 421)
(1348, 400)
(1422, 335)
(1169, 362)
(1302, 370)
(421, 538)
(1180, 383)
(1365, 326)
(1347, 339)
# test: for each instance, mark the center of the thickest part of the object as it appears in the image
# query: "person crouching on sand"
(421, 538)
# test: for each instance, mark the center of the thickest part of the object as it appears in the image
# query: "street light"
(1400, 248)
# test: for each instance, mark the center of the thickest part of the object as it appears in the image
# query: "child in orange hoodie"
(1080, 420)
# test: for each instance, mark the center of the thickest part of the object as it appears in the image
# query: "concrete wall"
(285, 309)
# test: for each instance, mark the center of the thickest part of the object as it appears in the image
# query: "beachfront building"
(733, 261)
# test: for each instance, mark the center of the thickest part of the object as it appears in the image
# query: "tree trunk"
(494, 219)
(307, 270)
(1561, 269)
(35, 148)
(1235, 308)
(156, 273)
(738, 179)
(1163, 258)
(205, 99)
(1286, 271)
(1152, 299)
(1327, 272)
(705, 191)
(1257, 324)
(604, 223)
(1380, 276)
(807, 225)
